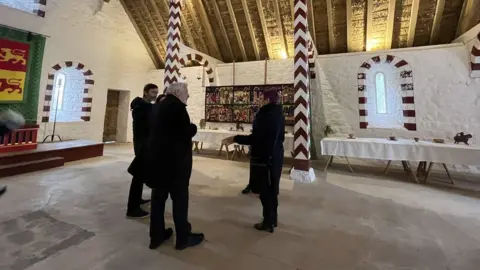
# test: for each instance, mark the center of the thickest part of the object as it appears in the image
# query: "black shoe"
(3, 189)
(193, 239)
(264, 227)
(137, 214)
(246, 190)
(144, 202)
(154, 243)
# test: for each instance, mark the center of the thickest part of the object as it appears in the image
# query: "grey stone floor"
(73, 218)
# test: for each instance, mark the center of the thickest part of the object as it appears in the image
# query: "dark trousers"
(135, 194)
(179, 196)
(269, 199)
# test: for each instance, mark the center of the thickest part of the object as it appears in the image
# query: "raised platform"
(48, 155)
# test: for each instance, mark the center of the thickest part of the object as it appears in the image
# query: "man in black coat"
(170, 153)
(141, 110)
(266, 140)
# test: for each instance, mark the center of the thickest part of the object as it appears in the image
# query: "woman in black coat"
(266, 140)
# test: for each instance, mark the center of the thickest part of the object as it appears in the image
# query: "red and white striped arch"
(87, 89)
(41, 7)
(405, 79)
(475, 58)
(194, 57)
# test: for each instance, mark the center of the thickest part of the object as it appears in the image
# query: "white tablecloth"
(409, 150)
(216, 137)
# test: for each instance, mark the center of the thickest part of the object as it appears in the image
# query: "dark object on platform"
(392, 138)
(460, 137)
(3, 189)
(203, 124)
(327, 130)
(416, 139)
(240, 127)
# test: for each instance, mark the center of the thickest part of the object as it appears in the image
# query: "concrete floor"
(74, 218)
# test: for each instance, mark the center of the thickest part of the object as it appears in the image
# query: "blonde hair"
(176, 89)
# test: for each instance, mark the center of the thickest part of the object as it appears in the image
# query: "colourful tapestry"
(13, 70)
(238, 104)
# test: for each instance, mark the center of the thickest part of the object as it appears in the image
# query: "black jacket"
(169, 150)
(266, 140)
(141, 110)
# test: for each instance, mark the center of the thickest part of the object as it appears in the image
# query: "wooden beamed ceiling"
(249, 30)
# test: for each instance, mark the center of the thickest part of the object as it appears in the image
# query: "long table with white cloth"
(402, 150)
(216, 137)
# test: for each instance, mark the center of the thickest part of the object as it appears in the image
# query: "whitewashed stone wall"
(106, 43)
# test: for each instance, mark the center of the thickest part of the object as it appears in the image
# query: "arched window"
(381, 93)
(36, 7)
(385, 94)
(67, 96)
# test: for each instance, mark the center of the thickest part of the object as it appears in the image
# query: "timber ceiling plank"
(239, 23)
(141, 31)
(403, 13)
(357, 25)
(198, 33)
(265, 33)
(151, 25)
(450, 19)
(221, 10)
(284, 15)
(274, 29)
(437, 20)
(377, 24)
(470, 16)
(251, 28)
(321, 26)
(339, 18)
(214, 49)
(220, 32)
(426, 17)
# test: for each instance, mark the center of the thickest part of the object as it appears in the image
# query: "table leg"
(404, 164)
(388, 166)
(329, 161)
(201, 145)
(422, 166)
(411, 171)
(428, 172)
(195, 147)
(235, 152)
(228, 151)
(220, 151)
(349, 166)
(448, 173)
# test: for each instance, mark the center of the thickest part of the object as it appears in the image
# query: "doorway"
(116, 116)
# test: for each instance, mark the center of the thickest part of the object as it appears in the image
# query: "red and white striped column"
(302, 171)
(172, 63)
(475, 58)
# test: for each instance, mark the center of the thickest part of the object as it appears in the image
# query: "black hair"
(149, 87)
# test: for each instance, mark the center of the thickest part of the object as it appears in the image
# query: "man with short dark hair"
(141, 109)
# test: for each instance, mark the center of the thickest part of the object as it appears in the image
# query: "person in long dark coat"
(266, 140)
(170, 153)
(141, 109)
(9, 120)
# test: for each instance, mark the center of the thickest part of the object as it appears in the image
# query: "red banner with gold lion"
(13, 70)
